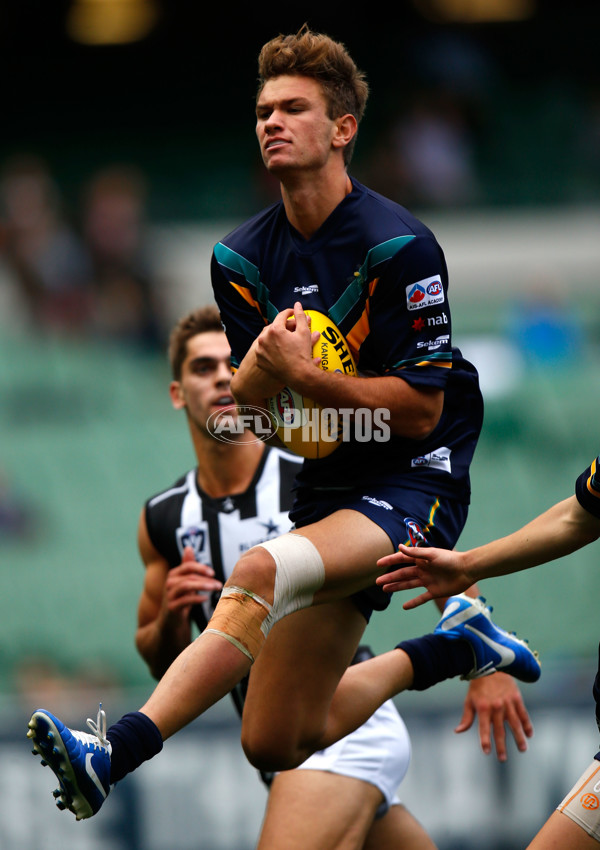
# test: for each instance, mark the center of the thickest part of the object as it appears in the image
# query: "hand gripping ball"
(305, 427)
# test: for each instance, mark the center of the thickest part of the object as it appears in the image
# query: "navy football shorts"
(407, 516)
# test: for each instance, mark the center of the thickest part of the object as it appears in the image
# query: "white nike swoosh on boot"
(93, 775)
(451, 621)
(507, 655)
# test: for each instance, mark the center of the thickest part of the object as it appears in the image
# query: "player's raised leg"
(293, 682)
(221, 656)
(471, 647)
(326, 561)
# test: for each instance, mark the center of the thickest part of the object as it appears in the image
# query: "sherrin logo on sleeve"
(425, 293)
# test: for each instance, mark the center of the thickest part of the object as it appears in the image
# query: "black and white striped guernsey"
(220, 530)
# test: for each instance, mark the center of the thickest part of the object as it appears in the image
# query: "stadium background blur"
(484, 119)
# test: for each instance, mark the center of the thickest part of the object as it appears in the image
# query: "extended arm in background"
(557, 532)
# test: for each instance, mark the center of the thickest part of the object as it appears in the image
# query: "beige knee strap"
(239, 617)
(245, 619)
(300, 572)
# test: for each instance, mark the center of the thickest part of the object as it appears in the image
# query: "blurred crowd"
(79, 270)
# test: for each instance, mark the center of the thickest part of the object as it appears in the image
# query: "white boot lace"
(99, 727)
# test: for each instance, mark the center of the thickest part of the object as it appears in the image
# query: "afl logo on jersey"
(425, 293)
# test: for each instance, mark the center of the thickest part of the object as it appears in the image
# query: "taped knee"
(239, 618)
(299, 573)
(245, 619)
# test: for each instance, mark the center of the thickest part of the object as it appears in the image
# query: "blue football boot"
(80, 761)
(467, 618)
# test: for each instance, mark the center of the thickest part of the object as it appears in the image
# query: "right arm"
(164, 625)
(557, 532)
(282, 355)
(250, 384)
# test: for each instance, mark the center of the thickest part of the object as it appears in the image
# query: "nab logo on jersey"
(425, 293)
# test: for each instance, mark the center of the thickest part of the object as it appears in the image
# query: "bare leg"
(575, 817)
(302, 695)
(398, 829)
(204, 673)
(293, 681)
(349, 544)
(560, 832)
(210, 666)
(318, 810)
(362, 689)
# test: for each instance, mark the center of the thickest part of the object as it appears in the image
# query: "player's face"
(292, 125)
(204, 388)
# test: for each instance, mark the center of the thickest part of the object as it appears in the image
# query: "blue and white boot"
(80, 761)
(467, 618)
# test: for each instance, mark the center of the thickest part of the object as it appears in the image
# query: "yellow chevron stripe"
(360, 330)
(589, 481)
(246, 295)
(427, 363)
(432, 513)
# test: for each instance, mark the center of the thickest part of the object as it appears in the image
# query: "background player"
(564, 528)
(375, 265)
(189, 537)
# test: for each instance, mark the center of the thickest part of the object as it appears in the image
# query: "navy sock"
(435, 658)
(134, 739)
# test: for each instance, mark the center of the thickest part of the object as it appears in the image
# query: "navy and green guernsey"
(380, 275)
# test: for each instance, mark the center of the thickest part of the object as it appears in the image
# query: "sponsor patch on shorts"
(415, 532)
